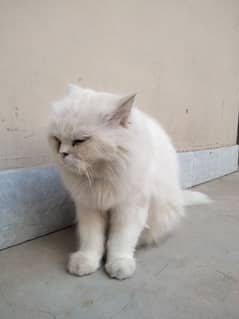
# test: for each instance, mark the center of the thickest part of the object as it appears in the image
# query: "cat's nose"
(64, 150)
(64, 154)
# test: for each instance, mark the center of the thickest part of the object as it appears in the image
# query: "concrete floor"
(193, 274)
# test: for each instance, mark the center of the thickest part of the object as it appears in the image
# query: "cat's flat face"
(85, 127)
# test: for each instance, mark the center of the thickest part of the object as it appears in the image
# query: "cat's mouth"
(74, 165)
(70, 163)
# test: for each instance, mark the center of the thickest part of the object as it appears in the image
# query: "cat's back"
(155, 145)
(145, 125)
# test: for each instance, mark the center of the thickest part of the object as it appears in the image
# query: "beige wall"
(181, 56)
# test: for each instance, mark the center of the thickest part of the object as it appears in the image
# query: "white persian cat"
(121, 170)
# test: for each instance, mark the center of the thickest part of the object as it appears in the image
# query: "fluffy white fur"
(122, 171)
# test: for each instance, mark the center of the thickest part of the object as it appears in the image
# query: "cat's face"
(86, 128)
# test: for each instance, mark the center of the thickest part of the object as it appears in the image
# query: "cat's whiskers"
(89, 176)
(91, 173)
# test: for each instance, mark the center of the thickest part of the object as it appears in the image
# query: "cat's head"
(87, 128)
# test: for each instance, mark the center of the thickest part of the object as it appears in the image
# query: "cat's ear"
(123, 109)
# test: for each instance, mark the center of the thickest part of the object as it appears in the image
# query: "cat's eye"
(79, 141)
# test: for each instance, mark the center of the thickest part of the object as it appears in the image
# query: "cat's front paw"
(121, 267)
(81, 264)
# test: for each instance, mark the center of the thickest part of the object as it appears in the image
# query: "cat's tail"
(191, 198)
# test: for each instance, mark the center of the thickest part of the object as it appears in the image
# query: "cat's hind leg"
(164, 215)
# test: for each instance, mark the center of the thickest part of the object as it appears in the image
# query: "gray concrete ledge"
(33, 201)
(201, 166)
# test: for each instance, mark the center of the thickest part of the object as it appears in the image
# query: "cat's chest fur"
(101, 194)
